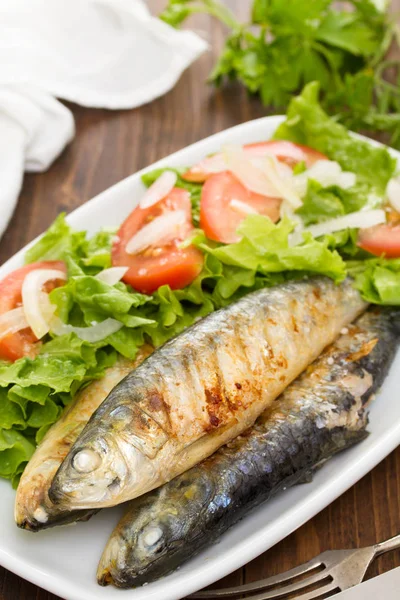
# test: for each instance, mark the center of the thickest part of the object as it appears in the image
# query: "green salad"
(265, 251)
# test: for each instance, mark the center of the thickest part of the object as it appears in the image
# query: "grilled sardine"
(320, 413)
(200, 390)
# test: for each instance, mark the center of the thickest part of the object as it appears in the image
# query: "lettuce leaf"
(377, 279)
(58, 242)
(34, 392)
(308, 124)
(320, 204)
(264, 248)
(97, 250)
(61, 242)
(15, 451)
(11, 415)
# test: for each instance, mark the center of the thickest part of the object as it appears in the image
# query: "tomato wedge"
(225, 203)
(22, 343)
(287, 152)
(164, 262)
(381, 240)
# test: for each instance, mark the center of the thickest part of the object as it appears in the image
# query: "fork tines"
(310, 581)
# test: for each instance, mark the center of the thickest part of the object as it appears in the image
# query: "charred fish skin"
(200, 390)
(321, 413)
(33, 509)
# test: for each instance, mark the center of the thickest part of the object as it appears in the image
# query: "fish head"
(132, 558)
(152, 538)
(106, 466)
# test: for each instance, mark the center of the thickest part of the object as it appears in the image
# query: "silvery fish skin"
(200, 390)
(321, 413)
(33, 508)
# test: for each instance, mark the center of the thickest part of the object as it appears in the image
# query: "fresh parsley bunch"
(289, 43)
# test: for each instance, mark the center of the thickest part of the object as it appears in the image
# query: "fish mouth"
(33, 521)
(28, 525)
(31, 516)
(64, 518)
(82, 498)
(105, 578)
(138, 573)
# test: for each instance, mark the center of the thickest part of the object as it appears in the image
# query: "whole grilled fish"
(200, 390)
(320, 413)
(33, 508)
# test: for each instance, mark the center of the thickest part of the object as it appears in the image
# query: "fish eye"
(86, 461)
(151, 535)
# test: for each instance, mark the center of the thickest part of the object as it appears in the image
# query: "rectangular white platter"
(64, 560)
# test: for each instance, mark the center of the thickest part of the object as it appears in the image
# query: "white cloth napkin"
(100, 53)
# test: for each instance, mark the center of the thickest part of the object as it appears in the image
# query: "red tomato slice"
(381, 239)
(166, 264)
(21, 343)
(219, 217)
(287, 152)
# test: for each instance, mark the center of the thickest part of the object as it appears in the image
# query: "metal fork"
(322, 577)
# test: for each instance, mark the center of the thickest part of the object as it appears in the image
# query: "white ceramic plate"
(64, 560)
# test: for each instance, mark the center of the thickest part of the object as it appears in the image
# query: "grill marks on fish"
(236, 351)
(33, 508)
(202, 389)
(319, 414)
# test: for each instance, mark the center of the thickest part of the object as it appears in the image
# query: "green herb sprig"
(289, 43)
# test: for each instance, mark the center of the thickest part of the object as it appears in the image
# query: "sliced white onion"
(360, 220)
(300, 183)
(211, 164)
(347, 180)
(47, 309)
(253, 178)
(92, 334)
(242, 207)
(159, 189)
(158, 232)
(112, 275)
(12, 321)
(217, 162)
(284, 171)
(393, 194)
(33, 298)
(283, 185)
(327, 173)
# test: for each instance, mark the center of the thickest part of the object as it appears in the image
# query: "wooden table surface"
(111, 145)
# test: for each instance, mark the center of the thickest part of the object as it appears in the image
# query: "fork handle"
(391, 544)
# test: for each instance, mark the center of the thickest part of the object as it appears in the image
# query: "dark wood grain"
(108, 147)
